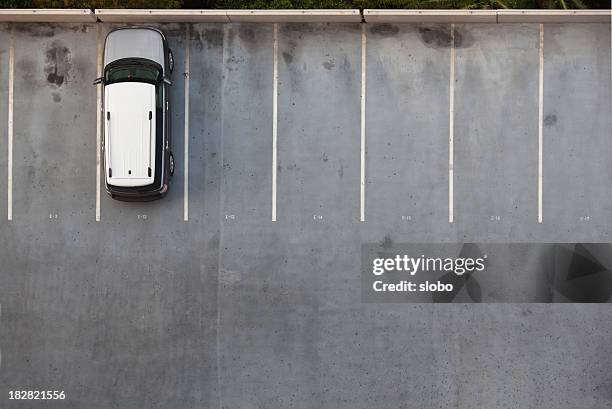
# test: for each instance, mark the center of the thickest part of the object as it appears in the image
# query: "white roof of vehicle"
(134, 43)
(129, 134)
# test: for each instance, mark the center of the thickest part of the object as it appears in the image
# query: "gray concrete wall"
(229, 309)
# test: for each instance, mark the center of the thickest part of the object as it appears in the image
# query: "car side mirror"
(167, 81)
(99, 80)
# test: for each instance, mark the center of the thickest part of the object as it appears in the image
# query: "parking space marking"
(186, 132)
(274, 120)
(363, 113)
(10, 129)
(451, 125)
(98, 121)
(540, 120)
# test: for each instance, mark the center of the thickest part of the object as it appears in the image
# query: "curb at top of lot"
(47, 15)
(304, 16)
(487, 16)
(229, 16)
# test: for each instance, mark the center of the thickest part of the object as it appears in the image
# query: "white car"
(138, 160)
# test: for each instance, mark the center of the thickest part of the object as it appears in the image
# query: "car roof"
(130, 133)
(134, 42)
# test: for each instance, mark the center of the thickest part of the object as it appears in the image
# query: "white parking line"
(540, 119)
(451, 130)
(363, 113)
(186, 132)
(274, 120)
(98, 121)
(10, 130)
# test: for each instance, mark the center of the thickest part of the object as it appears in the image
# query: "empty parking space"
(246, 134)
(576, 132)
(278, 330)
(496, 131)
(407, 129)
(53, 122)
(319, 123)
(205, 120)
(245, 156)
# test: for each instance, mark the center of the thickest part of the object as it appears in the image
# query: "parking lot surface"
(241, 289)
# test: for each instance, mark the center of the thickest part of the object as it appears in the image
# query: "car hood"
(134, 43)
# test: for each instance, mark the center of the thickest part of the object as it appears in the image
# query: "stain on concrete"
(76, 28)
(27, 68)
(324, 157)
(233, 63)
(174, 30)
(341, 171)
(295, 74)
(214, 37)
(346, 64)
(297, 28)
(229, 39)
(287, 57)
(196, 40)
(252, 37)
(56, 97)
(246, 33)
(436, 37)
(31, 172)
(384, 30)
(329, 64)
(550, 120)
(440, 37)
(386, 243)
(292, 46)
(35, 30)
(57, 63)
(463, 39)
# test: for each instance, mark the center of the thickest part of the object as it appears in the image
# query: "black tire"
(171, 164)
(170, 60)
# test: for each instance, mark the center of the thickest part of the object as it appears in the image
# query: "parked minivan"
(138, 160)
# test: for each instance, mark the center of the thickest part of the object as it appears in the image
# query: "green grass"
(311, 4)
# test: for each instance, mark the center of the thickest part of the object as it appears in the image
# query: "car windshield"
(132, 72)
